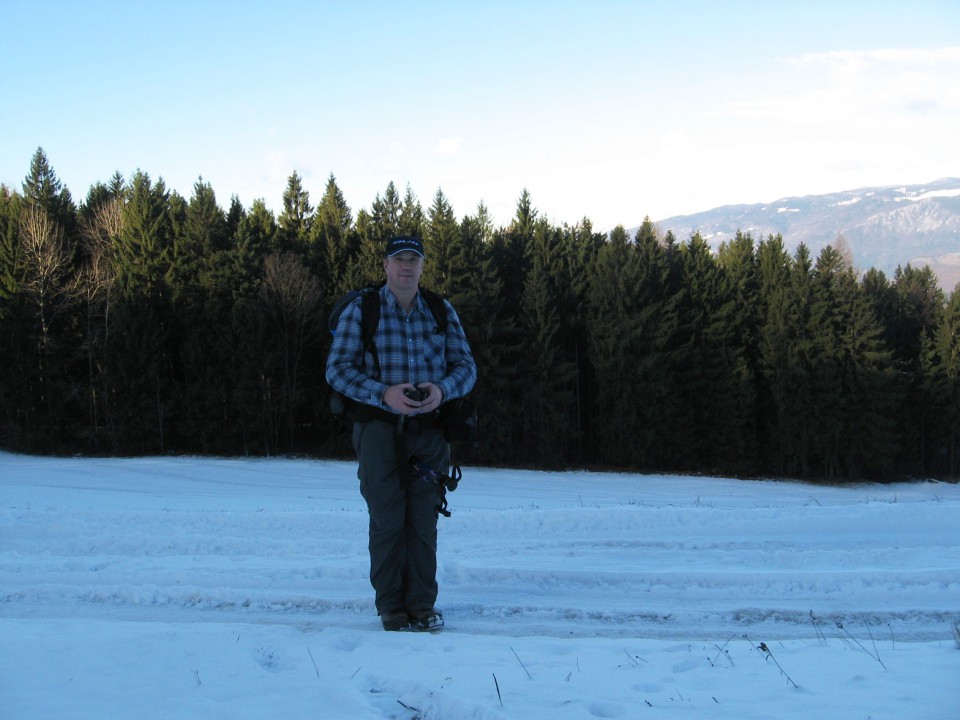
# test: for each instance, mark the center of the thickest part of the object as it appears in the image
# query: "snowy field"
(207, 588)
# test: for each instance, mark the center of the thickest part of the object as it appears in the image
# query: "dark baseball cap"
(401, 243)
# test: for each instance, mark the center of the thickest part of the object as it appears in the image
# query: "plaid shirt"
(409, 347)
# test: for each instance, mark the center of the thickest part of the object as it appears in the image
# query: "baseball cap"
(401, 243)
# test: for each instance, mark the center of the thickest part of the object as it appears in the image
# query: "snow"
(930, 194)
(225, 588)
(849, 201)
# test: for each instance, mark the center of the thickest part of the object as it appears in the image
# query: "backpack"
(369, 320)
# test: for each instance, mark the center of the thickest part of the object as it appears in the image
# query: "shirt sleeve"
(348, 371)
(461, 367)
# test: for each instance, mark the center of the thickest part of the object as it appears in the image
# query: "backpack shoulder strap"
(437, 308)
(369, 315)
(369, 319)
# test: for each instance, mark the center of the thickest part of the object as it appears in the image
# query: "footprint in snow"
(606, 710)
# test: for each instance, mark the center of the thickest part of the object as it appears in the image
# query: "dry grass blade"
(521, 663)
(762, 647)
(497, 685)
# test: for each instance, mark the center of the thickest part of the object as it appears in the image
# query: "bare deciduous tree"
(41, 245)
(842, 246)
(290, 295)
(46, 266)
(96, 278)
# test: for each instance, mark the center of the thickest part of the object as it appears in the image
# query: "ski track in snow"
(564, 555)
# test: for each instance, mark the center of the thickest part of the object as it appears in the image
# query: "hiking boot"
(428, 620)
(395, 621)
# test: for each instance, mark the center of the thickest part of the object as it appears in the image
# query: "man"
(397, 394)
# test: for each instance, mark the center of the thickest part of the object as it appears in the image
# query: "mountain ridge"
(885, 227)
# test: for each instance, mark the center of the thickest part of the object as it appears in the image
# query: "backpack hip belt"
(405, 424)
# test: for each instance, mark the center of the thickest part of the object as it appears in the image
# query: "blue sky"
(606, 110)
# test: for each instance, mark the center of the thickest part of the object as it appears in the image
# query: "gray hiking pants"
(403, 521)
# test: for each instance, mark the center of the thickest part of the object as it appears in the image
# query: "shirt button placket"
(410, 344)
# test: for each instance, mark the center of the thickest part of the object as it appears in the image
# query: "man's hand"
(399, 398)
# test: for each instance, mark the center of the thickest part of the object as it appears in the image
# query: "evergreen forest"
(139, 322)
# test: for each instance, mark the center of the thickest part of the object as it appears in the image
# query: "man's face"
(403, 270)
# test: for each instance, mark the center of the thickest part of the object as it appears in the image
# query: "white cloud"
(447, 147)
(278, 165)
(903, 81)
(847, 86)
(895, 56)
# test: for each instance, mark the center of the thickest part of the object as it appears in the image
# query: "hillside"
(885, 227)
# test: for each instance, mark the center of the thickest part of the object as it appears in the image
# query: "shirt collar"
(394, 305)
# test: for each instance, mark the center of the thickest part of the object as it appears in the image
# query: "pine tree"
(786, 358)
(714, 378)
(509, 252)
(919, 303)
(826, 398)
(773, 323)
(369, 266)
(201, 237)
(740, 264)
(546, 419)
(334, 246)
(235, 213)
(143, 249)
(494, 339)
(441, 241)
(510, 249)
(254, 237)
(43, 189)
(247, 364)
(138, 351)
(615, 323)
(871, 399)
(742, 313)
(883, 301)
(201, 277)
(385, 215)
(850, 397)
(412, 219)
(942, 386)
(296, 216)
(661, 347)
(373, 230)
(578, 248)
(11, 272)
(139, 375)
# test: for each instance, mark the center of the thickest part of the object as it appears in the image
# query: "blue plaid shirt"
(409, 349)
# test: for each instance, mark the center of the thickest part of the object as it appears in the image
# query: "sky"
(607, 110)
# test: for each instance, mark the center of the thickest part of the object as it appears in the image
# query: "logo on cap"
(402, 243)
